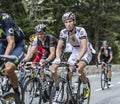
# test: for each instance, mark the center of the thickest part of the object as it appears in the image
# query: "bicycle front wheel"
(57, 95)
(104, 81)
(83, 94)
(11, 98)
(32, 91)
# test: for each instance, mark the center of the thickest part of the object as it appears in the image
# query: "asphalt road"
(107, 96)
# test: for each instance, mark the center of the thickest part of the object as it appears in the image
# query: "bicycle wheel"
(10, 98)
(9, 87)
(80, 98)
(104, 80)
(57, 96)
(45, 89)
(32, 91)
(27, 77)
(6, 87)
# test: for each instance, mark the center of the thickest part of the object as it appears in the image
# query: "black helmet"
(40, 28)
(68, 15)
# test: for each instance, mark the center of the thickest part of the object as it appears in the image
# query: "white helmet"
(68, 15)
(40, 28)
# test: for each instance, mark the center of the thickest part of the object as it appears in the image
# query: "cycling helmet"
(68, 15)
(104, 43)
(32, 37)
(40, 28)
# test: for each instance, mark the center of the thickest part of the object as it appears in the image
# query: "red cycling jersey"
(40, 51)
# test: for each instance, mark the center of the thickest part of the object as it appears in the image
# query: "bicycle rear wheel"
(80, 98)
(32, 91)
(11, 98)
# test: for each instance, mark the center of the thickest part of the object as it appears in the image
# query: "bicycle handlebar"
(104, 63)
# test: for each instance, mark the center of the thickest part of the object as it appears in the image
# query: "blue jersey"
(9, 28)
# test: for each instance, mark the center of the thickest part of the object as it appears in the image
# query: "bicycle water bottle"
(1, 92)
(75, 87)
(22, 75)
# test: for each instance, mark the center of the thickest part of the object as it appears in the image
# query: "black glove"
(23, 62)
(45, 62)
(77, 61)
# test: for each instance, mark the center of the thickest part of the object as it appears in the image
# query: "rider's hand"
(45, 62)
(22, 63)
(57, 61)
(99, 61)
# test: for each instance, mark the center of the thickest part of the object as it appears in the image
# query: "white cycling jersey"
(75, 41)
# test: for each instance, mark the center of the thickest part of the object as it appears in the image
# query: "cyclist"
(11, 43)
(47, 42)
(39, 52)
(105, 54)
(81, 52)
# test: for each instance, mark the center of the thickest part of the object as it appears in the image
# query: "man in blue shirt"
(11, 43)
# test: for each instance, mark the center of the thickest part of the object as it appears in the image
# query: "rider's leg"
(71, 73)
(109, 73)
(54, 74)
(81, 66)
(10, 71)
(42, 74)
(83, 77)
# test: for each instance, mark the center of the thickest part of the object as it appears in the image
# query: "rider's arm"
(10, 45)
(30, 53)
(52, 54)
(99, 55)
(84, 48)
(59, 48)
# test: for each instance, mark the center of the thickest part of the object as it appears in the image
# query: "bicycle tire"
(45, 89)
(104, 80)
(30, 91)
(60, 96)
(27, 77)
(7, 89)
(11, 98)
(80, 95)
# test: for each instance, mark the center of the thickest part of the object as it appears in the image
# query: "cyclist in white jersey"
(81, 51)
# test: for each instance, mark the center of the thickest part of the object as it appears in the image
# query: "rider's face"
(41, 36)
(105, 47)
(69, 24)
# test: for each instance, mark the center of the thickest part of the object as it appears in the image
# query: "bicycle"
(65, 93)
(104, 76)
(35, 87)
(7, 97)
